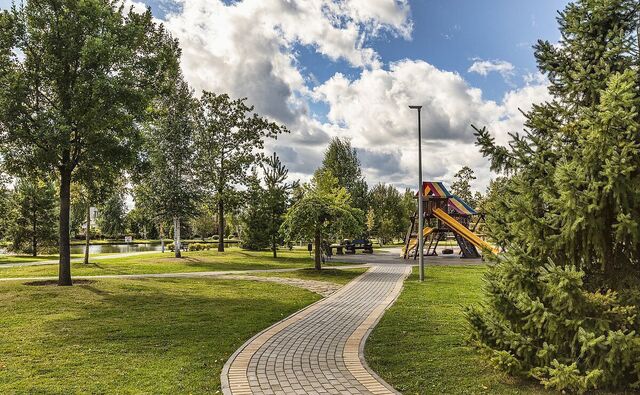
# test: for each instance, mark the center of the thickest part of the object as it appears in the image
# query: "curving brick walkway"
(319, 349)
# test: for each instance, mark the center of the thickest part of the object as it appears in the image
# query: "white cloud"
(484, 67)
(248, 49)
(137, 6)
(373, 111)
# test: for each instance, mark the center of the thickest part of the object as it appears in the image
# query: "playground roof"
(461, 206)
(437, 189)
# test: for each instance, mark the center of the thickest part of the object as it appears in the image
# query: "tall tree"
(341, 159)
(276, 197)
(229, 143)
(33, 221)
(112, 215)
(5, 205)
(389, 212)
(323, 212)
(562, 302)
(255, 216)
(75, 80)
(171, 178)
(461, 185)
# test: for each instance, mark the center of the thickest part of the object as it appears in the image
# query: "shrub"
(199, 246)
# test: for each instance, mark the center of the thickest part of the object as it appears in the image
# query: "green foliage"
(32, 216)
(171, 184)
(266, 207)
(204, 223)
(342, 161)
(5, 206)
(391, 215)
(198, 246)
(461, 186)
(141, 225)
(76, 77)
(255, 218)
(324, 212)
(112, 215)
(562, 303)
(228, 143)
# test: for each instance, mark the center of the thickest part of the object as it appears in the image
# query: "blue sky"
(450, 33)
(350, 68)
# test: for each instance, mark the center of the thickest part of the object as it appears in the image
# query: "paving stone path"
(319, 349)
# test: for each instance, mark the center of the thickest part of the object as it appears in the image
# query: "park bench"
(365, 245)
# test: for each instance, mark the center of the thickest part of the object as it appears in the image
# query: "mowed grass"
(161, 336)
(337, 276)
(197, 261)
(4, 259)
(420, 345)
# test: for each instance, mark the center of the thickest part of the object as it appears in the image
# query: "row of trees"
(90, 90)
(93, 101)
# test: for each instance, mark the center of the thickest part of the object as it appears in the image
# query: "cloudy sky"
(351, 68)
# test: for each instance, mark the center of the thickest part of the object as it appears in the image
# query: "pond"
(116, 248)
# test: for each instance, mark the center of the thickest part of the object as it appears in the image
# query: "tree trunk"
(318, 253)
(87, 235)
(64, 273)
(161, 237)
(220, 226)
(176, 237)
(273, 247)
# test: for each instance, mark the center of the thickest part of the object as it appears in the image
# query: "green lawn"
(132, 336)
(338, 276)
(28, 258)
(233, 259)
(420, 346)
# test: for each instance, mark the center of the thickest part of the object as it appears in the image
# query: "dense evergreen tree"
(266, 206)
(75, 80)
(33, 215)
(255, 217)
(5, 206)
(112, 215)
(390, 215)
(228, 142)
(562, 303)
(275, 198)
(341, 159)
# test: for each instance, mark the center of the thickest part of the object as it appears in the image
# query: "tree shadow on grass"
(160, 336)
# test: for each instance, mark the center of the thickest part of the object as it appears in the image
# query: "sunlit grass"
(232, 259)
(132, 336)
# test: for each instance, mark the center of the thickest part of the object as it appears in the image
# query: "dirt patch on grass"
(46, 283)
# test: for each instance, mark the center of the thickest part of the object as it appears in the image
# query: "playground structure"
(444, 213)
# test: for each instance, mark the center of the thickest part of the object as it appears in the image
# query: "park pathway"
(319, 349)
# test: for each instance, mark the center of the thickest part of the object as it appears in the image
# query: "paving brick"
(317, 350)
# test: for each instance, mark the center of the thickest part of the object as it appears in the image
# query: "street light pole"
(420, 199)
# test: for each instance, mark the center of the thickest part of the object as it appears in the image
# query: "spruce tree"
(562, 302)
(32, 223)
(341, 159)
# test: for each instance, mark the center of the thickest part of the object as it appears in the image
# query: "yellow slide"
(414, 242)
(463, 231)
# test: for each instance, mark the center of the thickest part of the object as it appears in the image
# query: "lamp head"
(415, 107)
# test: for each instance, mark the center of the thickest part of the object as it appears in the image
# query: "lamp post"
(420, 199)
